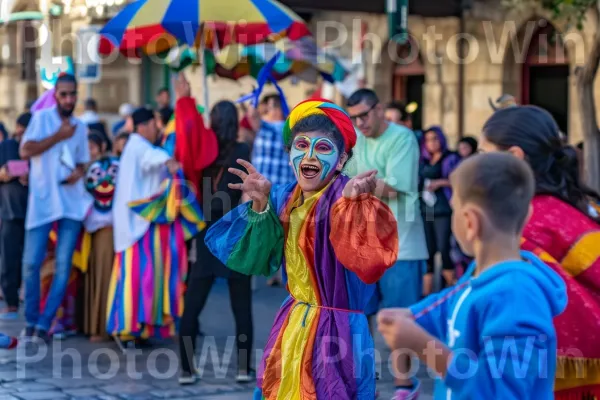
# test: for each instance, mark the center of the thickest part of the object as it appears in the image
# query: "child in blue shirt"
(491, 336)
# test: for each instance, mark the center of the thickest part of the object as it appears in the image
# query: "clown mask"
(315, 159)
(100, 182)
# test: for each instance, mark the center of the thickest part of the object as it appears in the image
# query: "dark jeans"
(12, 239)
(240, 295)
(438, 233)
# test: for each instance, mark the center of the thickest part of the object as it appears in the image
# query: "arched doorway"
(408, 78)
(546, 75)
(538, 74)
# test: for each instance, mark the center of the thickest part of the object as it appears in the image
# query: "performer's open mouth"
(309, 171)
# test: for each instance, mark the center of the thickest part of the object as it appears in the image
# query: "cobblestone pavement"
(76, 369)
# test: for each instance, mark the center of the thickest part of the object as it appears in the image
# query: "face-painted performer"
(334, 239)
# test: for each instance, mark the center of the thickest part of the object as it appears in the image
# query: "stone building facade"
(519, 53)
(515, 52)
(506, 52)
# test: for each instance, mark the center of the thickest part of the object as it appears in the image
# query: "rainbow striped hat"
(321, 107)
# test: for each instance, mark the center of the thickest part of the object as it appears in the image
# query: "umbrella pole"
(204, 79)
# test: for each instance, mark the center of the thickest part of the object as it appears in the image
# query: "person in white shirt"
(56, 144)
(138, 260)
(90, 115)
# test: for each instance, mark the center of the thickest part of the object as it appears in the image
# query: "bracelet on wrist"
(267, 208)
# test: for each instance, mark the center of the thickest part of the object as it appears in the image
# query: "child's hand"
(254, 185)
(361, 184)
(398, 328)
(401, 331)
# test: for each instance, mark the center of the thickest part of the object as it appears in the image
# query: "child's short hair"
(501, 184)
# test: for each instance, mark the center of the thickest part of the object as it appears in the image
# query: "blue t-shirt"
(13, 195)
(500, 330)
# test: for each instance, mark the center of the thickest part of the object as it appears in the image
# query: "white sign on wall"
(87, 58)
(6, 9)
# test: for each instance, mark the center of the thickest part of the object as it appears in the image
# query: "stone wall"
(489, 71)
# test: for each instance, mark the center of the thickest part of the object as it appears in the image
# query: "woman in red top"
(563, 231)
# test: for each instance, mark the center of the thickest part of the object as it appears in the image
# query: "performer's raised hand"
(182, 86)
(254, 185)
(361, 184)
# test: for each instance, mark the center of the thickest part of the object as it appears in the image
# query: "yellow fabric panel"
(583, 254)
(298, 271)
(235, 11)
(302, 316)
(572, 373)
(147, 16)
(293, 347)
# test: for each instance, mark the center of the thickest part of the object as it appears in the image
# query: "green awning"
(24, 16)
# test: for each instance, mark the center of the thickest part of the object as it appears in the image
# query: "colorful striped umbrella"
(155, 26)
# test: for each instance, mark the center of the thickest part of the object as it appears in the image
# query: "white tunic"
(141, 170)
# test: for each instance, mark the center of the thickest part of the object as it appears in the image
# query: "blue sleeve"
(431, 313)
(517, 346)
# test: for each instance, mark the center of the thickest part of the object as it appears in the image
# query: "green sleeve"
(248, 242)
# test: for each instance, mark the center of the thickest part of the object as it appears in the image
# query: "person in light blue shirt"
(492, 335)
(56, 144)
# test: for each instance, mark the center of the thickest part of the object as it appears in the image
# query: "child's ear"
(473, 221)
(517, 152)
(342, 161)
(529, 214)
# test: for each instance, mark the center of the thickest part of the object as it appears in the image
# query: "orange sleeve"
(364, 235)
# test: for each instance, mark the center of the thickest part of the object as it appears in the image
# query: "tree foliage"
(572, 11)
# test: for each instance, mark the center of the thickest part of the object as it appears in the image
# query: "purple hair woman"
(437, 162)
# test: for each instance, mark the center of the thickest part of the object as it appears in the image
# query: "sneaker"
(63, 335)
(9, 314)
(42, 335)
(28, 332)
(8, 342)
(14, 342)
(246, 377)
(408, 394)
(187, 378)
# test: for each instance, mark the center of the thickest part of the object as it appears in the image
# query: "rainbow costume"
(148, 279)
(332, 249)
(569, 242)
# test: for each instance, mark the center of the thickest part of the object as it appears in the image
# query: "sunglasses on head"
(364, 115)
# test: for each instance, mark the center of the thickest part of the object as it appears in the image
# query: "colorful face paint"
(320, 147)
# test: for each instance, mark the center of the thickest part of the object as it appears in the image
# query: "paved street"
(78, 369)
